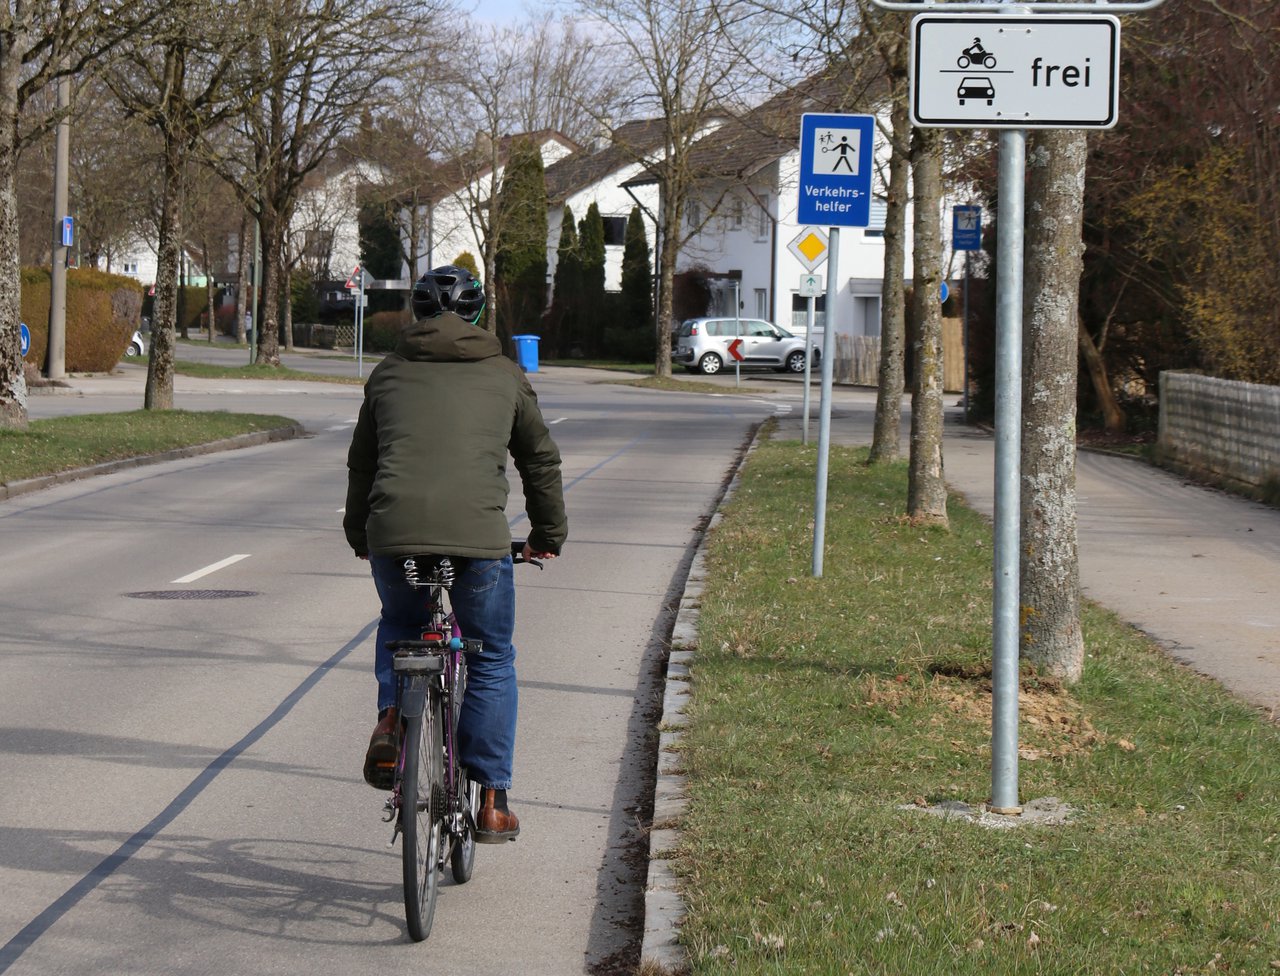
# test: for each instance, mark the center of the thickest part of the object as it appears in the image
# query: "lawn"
(63, 443)
(827, 714)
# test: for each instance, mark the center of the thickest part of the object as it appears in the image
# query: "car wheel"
(795, 361)
(710, 364)
(133, 350)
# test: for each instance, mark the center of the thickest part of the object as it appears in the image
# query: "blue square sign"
(837, 159)
(966, 227)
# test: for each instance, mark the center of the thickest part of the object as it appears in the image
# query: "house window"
(800, 313)
(693, 214)
(762, 218)
(131, 267)
(762, 303)
(615, 231)
(735, 214)
(879, 209)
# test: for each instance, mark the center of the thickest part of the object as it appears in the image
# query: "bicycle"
(433, 802)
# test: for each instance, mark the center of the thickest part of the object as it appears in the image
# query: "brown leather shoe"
(384, 749)
(495, 823)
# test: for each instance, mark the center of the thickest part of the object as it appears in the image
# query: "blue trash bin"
(527, 352)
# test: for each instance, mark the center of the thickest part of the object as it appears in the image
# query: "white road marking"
(558, 420)
(192, 577)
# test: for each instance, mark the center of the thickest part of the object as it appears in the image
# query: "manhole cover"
(190, 594)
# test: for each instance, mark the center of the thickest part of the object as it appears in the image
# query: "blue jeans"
(483, 598)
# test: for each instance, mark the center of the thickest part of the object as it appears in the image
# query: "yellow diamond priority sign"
(810, 247)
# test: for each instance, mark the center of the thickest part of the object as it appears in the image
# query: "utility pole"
(55, 360)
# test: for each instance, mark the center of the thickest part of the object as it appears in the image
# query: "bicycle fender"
(413, 701)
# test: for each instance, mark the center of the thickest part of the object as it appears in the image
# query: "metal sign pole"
(824, 408)
(808, 369)
(1004, 665)
(737, 334)
(359, 337)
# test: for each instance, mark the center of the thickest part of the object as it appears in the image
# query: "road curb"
(16, 488)
(664, 906)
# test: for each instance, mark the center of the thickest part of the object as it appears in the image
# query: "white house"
(601, 176)
(450, 216)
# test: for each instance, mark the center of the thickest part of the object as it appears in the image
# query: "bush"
(382, 330)
(103, 310)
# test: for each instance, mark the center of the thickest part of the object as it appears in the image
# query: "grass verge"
(63, 443)
(823, 707)
(258, 371)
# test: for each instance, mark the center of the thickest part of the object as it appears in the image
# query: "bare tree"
(178, 80)
(315, 64)
(1050, 575)
(890, 38)
(688, 60)
(567, 84)
(39, 42)
(926, 487)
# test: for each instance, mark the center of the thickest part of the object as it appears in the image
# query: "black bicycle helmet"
(448, 289)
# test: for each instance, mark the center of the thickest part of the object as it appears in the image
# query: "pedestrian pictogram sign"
(836, 164)
(993, 72)
(735, 349)
(966, 227)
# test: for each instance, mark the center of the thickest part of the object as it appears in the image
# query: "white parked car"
(702, 345)
(137, 346)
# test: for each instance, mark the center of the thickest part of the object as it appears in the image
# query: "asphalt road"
(181, 744)
(182, 788)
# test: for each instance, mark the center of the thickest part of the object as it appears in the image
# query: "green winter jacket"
(428, 459)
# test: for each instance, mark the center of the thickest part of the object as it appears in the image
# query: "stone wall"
(1227, 430)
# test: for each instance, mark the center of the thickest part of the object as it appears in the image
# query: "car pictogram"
(976, 88)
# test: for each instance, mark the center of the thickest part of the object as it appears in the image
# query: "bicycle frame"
(433, 660)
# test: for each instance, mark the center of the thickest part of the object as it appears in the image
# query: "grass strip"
(822, 708)
(258, 371)
(63, 443)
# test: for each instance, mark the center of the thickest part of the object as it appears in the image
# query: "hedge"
(103, 310)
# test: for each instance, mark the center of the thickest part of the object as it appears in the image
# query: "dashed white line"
(558, 420)
(213, 568)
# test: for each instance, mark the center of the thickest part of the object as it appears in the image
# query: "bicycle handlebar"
(517, 554)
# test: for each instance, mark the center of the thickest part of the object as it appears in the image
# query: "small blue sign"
(24, 338)
(944, 292)
(68, 231)
(837, 159)
(966, 228)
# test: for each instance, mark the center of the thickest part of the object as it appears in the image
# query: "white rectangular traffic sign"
(992, 72)
(836, 164)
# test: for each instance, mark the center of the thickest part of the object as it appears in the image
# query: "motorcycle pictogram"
(975, 53)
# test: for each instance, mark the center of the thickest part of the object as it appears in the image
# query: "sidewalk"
(1193, 567)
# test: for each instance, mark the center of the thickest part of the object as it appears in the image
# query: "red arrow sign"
(735, 349)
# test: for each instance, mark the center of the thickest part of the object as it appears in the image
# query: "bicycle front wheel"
(422, 810)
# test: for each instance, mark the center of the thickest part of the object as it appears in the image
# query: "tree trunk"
(269, 306)
(1112, 415)
(159, 391)
(926, 489)
(888, 421)
(1049, 570)
(13, 382)
(669, 227)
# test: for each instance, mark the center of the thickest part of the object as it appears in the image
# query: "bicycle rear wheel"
(422, 809)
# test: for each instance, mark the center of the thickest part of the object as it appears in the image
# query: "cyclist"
(427, 474)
